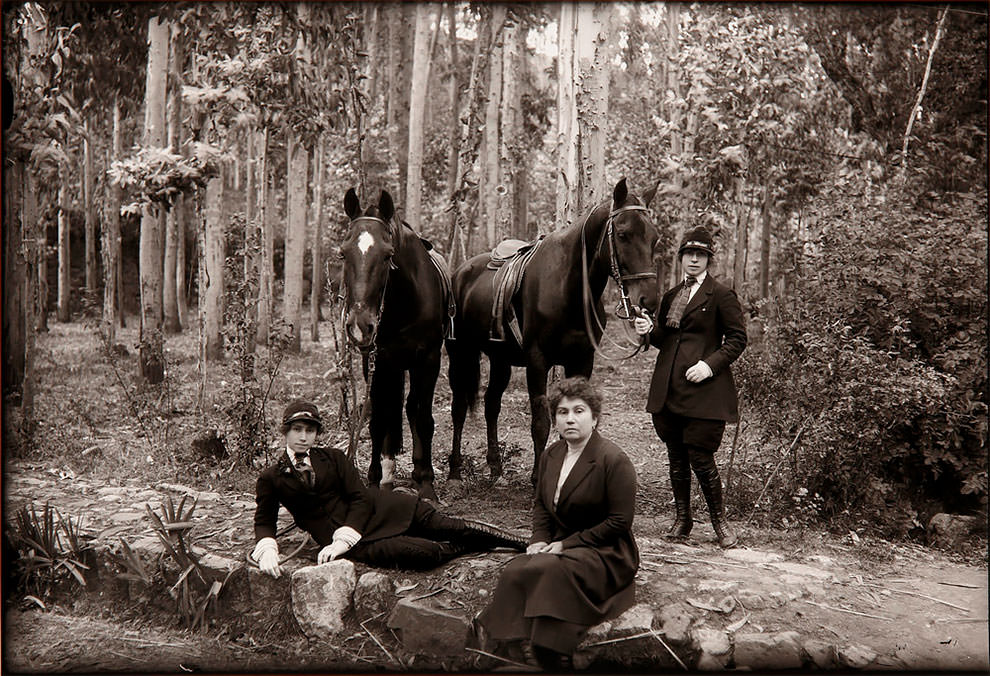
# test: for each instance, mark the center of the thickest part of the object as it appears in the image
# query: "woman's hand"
(332, 551)
(544, 548)
(643, 323)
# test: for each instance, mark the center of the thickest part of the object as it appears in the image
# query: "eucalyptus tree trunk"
(297, 165)
(89, 210)
(316, 278)
(170, 305)
(515, 172)
(267, 239)
(594, 41)
(568, 138)
(62, 309)
(765, 215)
(490, 187)
(214, 253)
(251, 240)
(742, 236)
(400, 17)
(454, 131)
(673, 108)
(152, 222)
(417, 112)
(111, 238)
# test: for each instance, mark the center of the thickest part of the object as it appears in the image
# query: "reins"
(624, 310)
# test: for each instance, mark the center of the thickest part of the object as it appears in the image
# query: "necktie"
(304, 468)
(680, 303)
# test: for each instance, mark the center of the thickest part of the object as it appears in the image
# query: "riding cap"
(300, 409)
(698, 238)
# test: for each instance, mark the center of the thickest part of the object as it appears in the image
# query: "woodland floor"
(97, 429)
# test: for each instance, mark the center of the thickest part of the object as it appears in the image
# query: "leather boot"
(680, 483)
(483, 537)
(551, 660)
(706, 470)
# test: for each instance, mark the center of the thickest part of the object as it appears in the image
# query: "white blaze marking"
(365, 242)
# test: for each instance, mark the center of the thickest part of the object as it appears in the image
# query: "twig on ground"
(499, 658)
(843, 610)
(922, 596)
(957, 620)
(382, 647)
(632, 637)
(954, 584)
(432, 593)
(672, 653)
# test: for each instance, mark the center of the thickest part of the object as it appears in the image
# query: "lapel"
(701, 296)
(585, 463)
(554, 463)
(288, 472)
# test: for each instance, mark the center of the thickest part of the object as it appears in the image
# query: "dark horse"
(395, 305)
(557, 304)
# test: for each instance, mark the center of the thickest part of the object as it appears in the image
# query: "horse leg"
(536, 383)
(386, 409)
(499, 373)
(463, 371)
(419, 411)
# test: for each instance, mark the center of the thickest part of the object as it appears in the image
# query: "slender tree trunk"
(454, 132)
(515, 173)
(593, 48)
(401, 16)
(674, 113)
(152, 221)
(251, 241)
(111, 239)
(15, 282)
(316, 285)
(417, 112)
(568, 139)
(170, 302)
(62, 309)
(89, 210)
(765, 245)
(373, 20)
(265, 272)
(214, 253)
(295, 236)
(742, 233)
(491, 189)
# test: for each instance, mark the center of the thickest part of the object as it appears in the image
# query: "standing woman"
(579, 567)
(699, 330)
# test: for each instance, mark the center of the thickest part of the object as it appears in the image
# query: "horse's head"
(366, 256)
(633, 238)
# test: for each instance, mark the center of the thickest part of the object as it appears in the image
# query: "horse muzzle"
(361, 328)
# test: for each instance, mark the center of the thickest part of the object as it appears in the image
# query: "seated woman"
(322, 490)
(579, 567)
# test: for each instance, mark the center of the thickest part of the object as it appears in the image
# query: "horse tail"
(464, 373)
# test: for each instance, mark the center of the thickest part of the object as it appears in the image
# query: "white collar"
(699, 278)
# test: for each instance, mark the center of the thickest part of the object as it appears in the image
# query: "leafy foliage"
(883, 350)
(51, 549)
(155, 176)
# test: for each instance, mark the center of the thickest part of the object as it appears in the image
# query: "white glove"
(266, 554)
(699, 372)
(332, 551)
(643, 324)
(536, 547)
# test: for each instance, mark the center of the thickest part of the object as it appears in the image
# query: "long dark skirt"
(542, 597)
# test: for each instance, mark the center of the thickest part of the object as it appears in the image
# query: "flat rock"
(821, 654)
(802, 570)
(373, 595)
(751, 556)
(675, 623)
(321, 595)
(427, 630)
(713, 648)
(855, 656)
(768, 651)
(635, 620)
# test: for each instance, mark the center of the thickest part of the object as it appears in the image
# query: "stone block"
(635, 620)
(321, 595)
(675, 623)
(821, 654)
(802, 570)
(713, 647)
(427, 630)
(855, 656)
(374, 595)
(951, 531)
(751, 556)
(768, 651)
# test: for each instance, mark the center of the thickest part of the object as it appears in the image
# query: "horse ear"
(620, 193)
(386, 207)
(352, 206)
(648, 196)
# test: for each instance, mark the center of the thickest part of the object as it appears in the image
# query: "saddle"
(509, 259)
(448, 295)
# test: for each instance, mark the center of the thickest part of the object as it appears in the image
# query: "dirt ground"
(915, 607)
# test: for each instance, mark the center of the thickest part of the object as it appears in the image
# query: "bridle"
(624, 309)
(381, 303)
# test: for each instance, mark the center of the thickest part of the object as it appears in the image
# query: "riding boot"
(481, 537)
(706, 470)
(680, 483)
(551, 660)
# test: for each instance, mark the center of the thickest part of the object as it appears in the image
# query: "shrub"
(881, 353)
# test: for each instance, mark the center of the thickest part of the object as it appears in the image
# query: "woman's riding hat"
(698, 238)
(301, 410)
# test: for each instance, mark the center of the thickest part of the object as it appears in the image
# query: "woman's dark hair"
(576, 387)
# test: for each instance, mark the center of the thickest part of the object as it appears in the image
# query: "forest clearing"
(176, 212)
